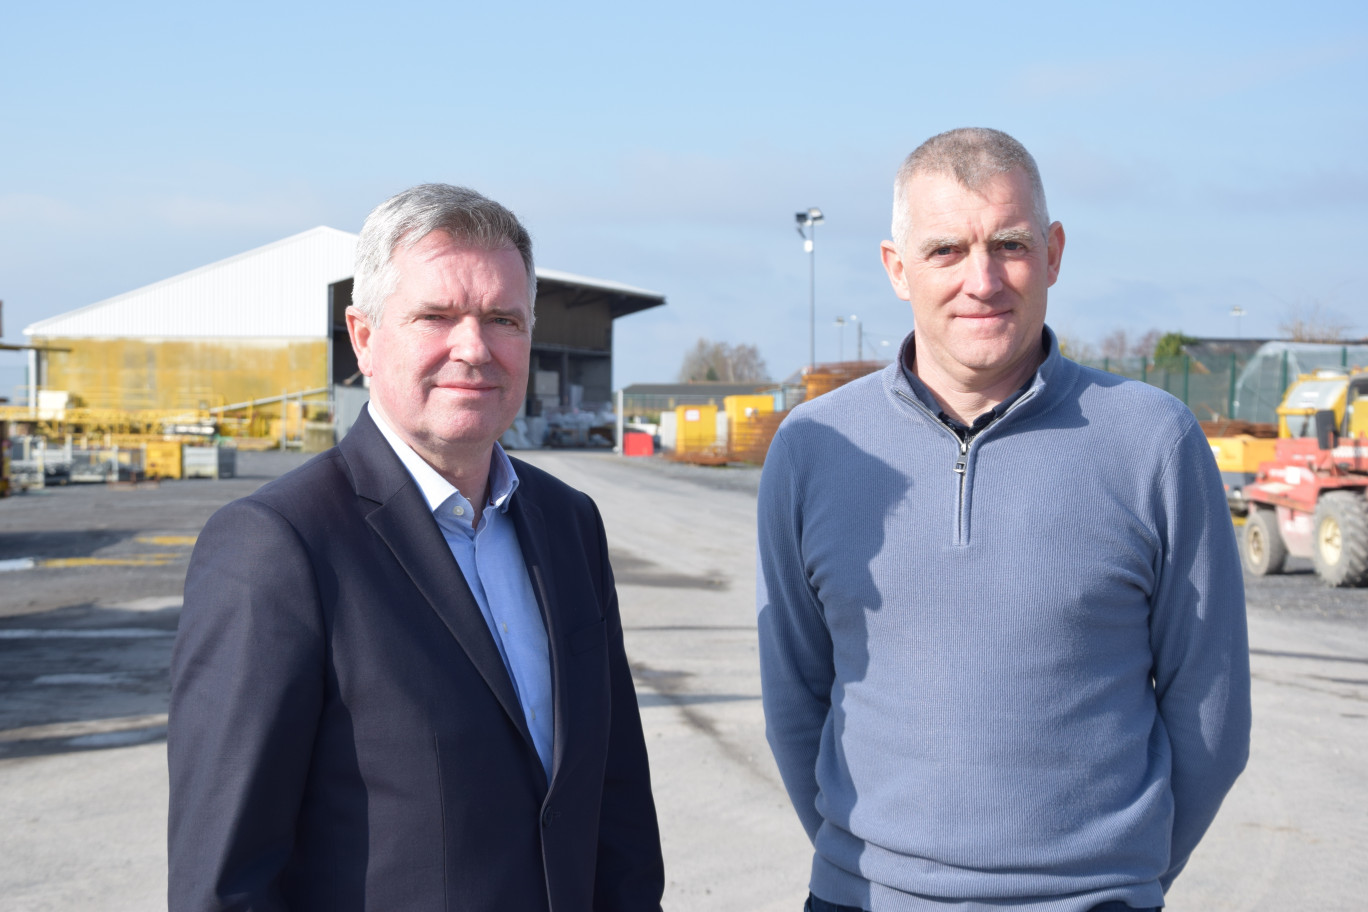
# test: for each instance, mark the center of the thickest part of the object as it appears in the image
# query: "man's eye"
(943, 251)
(1013, 245)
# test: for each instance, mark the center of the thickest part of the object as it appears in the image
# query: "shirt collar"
(906, 356)
(503, 480)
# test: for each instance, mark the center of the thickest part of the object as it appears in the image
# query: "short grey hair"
(972, 156)
(408, 217)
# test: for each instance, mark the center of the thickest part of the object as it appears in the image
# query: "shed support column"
(33, 382)
(565, 379)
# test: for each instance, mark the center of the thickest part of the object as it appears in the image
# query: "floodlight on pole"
(1237, 312)
(859, 338)
(809, 220)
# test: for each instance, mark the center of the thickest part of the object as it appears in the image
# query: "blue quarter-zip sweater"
(1012, 674)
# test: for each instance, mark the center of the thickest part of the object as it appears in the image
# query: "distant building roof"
(1219, 345)
(279, 290)
(703, 389)
(577, 289)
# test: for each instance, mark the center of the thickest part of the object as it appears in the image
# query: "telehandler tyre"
(1339, 544)
(1264, 551)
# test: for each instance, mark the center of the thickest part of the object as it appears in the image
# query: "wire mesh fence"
(1207, 387)
(1231, 382)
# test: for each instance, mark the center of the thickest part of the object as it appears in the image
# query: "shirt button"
(458, 510)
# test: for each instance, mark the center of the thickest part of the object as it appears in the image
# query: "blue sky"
(1199, 158)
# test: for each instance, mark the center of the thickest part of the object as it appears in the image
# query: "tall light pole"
(859, 337)
(1237, 312)
(810, 220)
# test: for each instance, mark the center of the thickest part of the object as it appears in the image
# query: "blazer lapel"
(403, 521)
(531, 529)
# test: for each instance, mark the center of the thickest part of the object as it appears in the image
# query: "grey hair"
(408, 217)
(972, 156)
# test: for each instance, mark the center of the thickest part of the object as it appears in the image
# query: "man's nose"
(466, 342)
(983, 275)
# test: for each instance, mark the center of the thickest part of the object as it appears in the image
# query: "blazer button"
(548, 815)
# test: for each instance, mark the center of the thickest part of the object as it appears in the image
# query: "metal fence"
(1209, 387)
(1236, 384)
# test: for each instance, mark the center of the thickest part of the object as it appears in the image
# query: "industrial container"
(162, 459)
(208, 461)
(695, 428)
(752, 425)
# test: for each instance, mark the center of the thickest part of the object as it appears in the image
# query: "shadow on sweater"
(851, 524)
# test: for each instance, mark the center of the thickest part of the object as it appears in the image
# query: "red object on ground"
(637, 443)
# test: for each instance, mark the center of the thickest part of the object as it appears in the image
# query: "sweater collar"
(1053, 378)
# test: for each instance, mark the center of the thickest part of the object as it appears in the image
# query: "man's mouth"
(465, 388)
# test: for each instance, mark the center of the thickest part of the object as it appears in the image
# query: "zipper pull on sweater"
(963, 461)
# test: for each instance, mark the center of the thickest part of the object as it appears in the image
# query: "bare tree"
(1075, 348)
(1311, 322)
(709, 360)
(1116, 345)
(1144, 346)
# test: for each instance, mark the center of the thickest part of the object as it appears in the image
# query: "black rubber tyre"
(1339, 539)
(1264, 550)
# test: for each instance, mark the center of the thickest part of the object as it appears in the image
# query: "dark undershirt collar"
(964, 432)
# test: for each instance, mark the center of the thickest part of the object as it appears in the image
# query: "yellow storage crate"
(162, 459)
(695, 428)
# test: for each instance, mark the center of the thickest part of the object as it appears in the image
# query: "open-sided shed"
(270, 322)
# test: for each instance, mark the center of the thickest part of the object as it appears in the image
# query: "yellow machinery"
(1317, 392)
(1309, 500)
(105, 439)
(1239, 456)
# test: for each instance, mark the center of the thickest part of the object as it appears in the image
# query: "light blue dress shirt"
(492, 563)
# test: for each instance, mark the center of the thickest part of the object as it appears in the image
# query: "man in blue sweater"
(1001, 611)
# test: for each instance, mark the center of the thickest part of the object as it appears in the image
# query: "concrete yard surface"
(90, 595)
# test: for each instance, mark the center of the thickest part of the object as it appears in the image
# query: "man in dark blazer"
(399, 681)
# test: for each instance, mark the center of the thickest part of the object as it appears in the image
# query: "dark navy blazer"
(344, 734)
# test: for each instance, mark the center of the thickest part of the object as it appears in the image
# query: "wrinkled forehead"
(933, 198)
(498, 254)
(438, 265)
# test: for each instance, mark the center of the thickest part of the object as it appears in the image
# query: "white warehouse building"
(270, 322)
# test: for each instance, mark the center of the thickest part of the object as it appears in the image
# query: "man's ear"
(360, 331)
(896, 269)
(1055, 251)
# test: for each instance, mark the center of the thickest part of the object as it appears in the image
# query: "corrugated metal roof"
(571, 279)
(279, 290)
